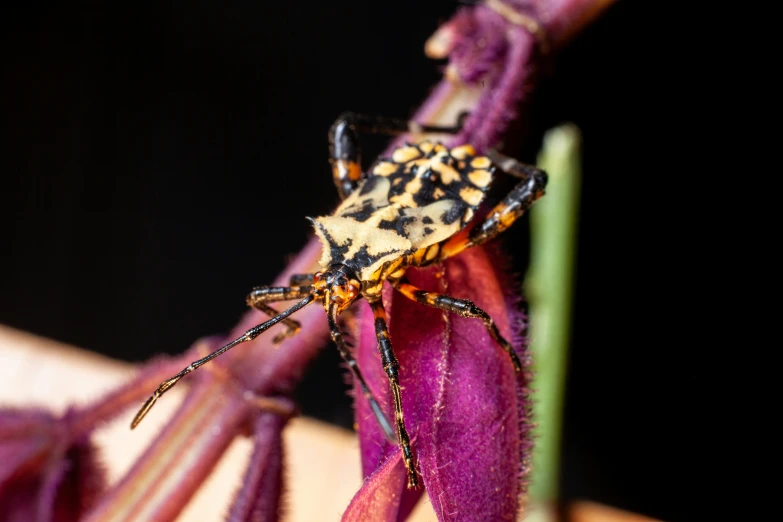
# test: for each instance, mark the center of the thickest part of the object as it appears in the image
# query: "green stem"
(549, 287)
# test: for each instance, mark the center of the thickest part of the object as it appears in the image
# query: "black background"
(158, 162)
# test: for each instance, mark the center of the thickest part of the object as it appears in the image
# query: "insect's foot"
(515, 360)
(517, 365)
(514, 357)
(461, 119)
(407, 459)
(144, 410)
(413, 480)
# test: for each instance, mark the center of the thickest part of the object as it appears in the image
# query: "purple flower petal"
(464, 405)
(471, 444)
(378, 500)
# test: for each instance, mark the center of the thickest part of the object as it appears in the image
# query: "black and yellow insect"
(413, 209)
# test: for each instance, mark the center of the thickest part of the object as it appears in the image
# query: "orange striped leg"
(462, 307)
(246, 337)
(345, 353)
(528, 190)
(345, 152)
(391, 367)
(260, 295)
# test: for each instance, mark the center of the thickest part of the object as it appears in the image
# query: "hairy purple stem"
(259, 497)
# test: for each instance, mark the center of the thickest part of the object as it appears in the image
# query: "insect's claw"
(144, 410)
(413, 480)
(461, 118)
(515, 360)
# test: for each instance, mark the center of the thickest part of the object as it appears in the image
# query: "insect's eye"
(317, 276)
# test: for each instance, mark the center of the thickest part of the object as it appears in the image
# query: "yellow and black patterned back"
(423, 194)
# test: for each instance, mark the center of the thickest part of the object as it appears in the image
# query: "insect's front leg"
(463, 307)
(514, 205)
(392, 367)
(249, 335)
(345, 353)
(261, 295)
(301, 279)
(344, 149)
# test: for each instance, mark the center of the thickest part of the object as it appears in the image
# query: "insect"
(413, 209)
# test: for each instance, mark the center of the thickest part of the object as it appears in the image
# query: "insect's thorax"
(422, 195)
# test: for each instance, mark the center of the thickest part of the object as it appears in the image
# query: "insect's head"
(336, 287)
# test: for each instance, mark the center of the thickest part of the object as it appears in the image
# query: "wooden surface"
(323, 469)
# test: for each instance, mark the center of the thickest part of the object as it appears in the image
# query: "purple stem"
(259, 497)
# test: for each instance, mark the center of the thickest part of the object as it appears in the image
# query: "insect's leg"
(391, 367)
(248, 336)
(345, 353)
(271, 294)
(301, 279)
(463, 307)
(515, 204)
(344, 149)
(261, 295)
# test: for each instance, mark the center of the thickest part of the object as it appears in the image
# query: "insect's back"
(420, 196)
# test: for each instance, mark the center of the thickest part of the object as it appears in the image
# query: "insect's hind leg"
(514, 205)
(261, 295)
(344, 149)
(463, 307)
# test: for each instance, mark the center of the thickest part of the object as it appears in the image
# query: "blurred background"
(157, 162)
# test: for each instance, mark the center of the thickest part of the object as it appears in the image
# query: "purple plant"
(469, 414)
(463, 400)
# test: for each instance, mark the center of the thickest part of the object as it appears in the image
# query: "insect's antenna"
(248, 336)
(338, 339)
